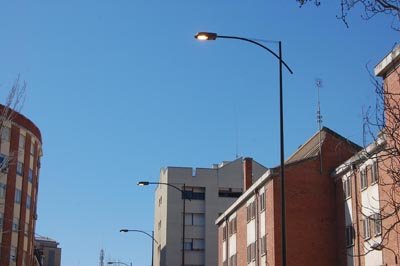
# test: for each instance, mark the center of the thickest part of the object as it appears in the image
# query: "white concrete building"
(212, 191)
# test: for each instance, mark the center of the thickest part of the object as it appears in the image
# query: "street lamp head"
(143, 183)
(206, 36)
(123, 230)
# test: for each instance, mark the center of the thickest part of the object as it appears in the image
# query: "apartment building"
(20, 152)
(208, 193)
(249, 231)
(369, 204)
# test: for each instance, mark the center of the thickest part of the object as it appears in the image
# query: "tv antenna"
(318, 83)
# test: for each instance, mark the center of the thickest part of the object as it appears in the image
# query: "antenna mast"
(318, 83)
(101, 257)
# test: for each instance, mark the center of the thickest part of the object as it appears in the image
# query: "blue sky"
(121, 88)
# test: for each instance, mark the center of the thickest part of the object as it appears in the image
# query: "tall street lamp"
(118, 263)
(143, 232)
(146, 183)
(209, 36)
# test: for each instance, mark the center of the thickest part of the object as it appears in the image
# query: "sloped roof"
(311, 147)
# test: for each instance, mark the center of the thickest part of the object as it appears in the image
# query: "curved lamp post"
(118, 263)
(209, 36)
(143, 232)
(146, 183)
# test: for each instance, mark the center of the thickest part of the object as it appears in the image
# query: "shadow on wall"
(163, 256)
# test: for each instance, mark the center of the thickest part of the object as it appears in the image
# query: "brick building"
(20, 152)
(49, 253)
(371, 193)
(249, 231)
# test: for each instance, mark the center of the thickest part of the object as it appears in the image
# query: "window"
(377, 223)
(159, 200)
(230, 192)
(188, 245)
(32, 149)
(262, 201)
(248, 252)
(2, 190)
(224, 234)
(347, 187)
(363, 179)
(194, 219)
(251, 211)
(233, 260)
(51, 258)
(28, 202)
(30, 175)
(366, 228)
(251, 252)
(18, 196)
(263, 248)
(5, 133)
(194, 244)
(26, 229)
(20, 168)
(159, 225)
(232, 226)
(13, 255)
(3, 162)
(349, 235)
(374, 174)
(15, 225)
(194, 193)
(21, 143)
(198, 244)
(1, 221)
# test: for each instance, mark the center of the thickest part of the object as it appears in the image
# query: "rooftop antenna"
(318, 83)
(236, 134)
(101, 257)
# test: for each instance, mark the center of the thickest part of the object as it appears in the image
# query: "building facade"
(48, 251)
(208, 193)
(249, 231)
(20, 152)
(370, 200)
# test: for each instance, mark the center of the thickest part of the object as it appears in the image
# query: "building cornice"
(388, 63)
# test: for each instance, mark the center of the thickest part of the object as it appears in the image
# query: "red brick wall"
(310, 212)
(392, 239)
(9, 200)
(311, 216)
(21, 235)
(241, 235)
(392, 242)
(340, 225)
(311, 207)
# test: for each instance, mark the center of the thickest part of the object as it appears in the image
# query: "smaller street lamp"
(183, 191)
(124, 230)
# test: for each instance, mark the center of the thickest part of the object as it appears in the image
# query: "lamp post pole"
(143, 232)
(204, 36)
(146, 183)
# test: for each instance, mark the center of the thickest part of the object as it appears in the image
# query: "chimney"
(247, 173)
